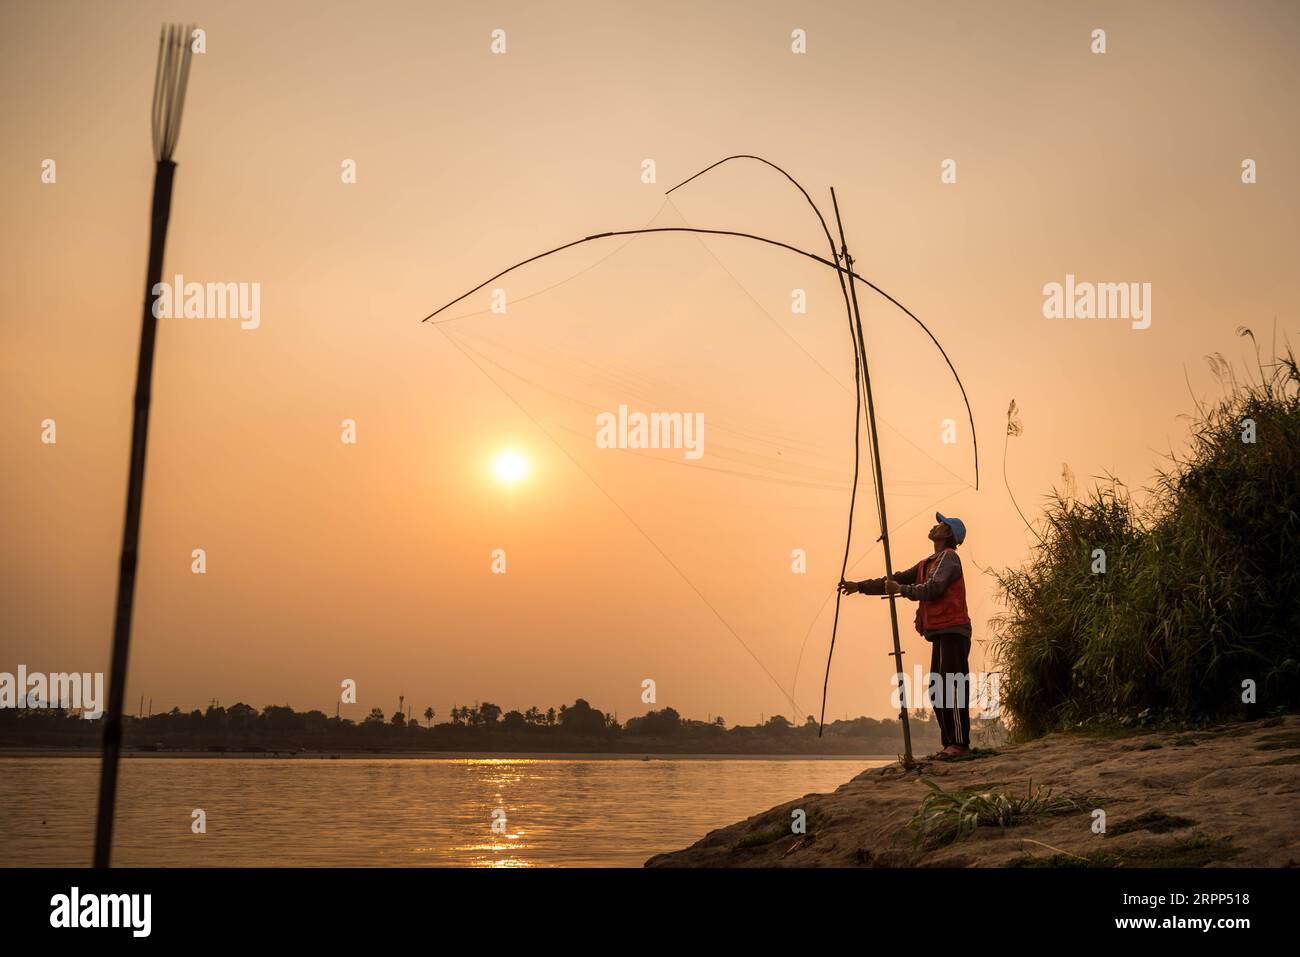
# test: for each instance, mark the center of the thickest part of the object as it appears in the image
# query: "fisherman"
(937, 585)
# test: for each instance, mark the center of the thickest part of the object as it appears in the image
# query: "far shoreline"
(88, 753)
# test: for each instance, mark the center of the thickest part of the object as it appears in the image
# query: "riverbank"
(1224, 796)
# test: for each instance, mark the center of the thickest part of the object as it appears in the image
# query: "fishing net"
(705, 386)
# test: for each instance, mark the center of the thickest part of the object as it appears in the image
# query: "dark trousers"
(950, 687)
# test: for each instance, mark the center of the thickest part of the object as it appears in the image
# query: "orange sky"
(372, 561)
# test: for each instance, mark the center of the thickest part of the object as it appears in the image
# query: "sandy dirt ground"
(1227, 796)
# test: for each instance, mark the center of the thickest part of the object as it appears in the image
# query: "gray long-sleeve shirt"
(945, 571)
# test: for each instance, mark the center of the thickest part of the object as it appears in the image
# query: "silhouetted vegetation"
(1199, 600)
(484, 727)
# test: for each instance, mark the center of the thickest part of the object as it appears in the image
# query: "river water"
(565, 810)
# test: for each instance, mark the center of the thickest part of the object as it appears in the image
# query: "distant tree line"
(482, 727)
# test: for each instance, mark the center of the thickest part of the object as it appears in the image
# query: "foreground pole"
(880, 488)
(162, 197)
(169, 98)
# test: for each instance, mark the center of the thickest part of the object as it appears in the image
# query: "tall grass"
(1201, 589)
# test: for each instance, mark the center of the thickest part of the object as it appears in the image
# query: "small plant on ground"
(946, 817)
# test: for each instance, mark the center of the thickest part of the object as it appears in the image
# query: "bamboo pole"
(878, 469)
(169, 97)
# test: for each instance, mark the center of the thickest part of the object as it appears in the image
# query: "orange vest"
(946, 611)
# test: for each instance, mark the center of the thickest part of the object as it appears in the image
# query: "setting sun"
(509, 467)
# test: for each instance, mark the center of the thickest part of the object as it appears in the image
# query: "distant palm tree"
(428, 716)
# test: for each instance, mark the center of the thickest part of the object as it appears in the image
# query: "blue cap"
(957, 525)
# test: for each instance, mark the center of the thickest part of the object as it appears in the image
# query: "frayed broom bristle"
(170, 78)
